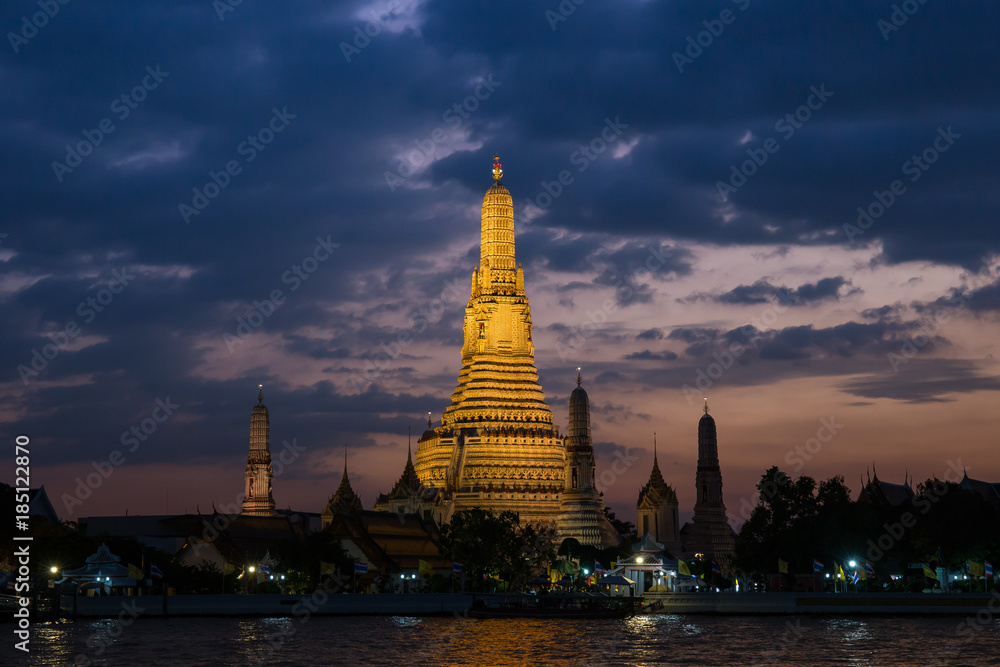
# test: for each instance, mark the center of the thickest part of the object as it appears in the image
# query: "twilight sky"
(168, 166)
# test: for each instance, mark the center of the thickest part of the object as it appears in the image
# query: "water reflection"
(643, 640)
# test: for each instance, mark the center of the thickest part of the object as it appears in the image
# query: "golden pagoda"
(497, 447)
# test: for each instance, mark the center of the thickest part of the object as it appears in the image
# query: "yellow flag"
(327, 568)
(134, 572)
(861, 573)
(840, 571)
(682, 568)
(782, 566)
(228, 568)
(425, 568)
(929, 573)
(977, 569)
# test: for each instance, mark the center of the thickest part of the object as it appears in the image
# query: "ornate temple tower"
(582, 508)
(343, 501)
(409, 496)
(657, 510)
(257, 500)
(710, 533)
(497, 447)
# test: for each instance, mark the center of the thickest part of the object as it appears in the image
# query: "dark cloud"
(925, 381)
(763, 291)
(646, 355)
(650, 334)
(624, 224)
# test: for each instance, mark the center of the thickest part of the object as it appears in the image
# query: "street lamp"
(852, 563)
(53, 569)
(639, 560)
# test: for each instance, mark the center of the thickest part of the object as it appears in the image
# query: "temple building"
(343, 501)
(409, 496)
(257, 500)
(497, 447)
(710, 533)
(657, 508)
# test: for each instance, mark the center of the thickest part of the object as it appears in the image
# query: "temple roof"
(344, 499)
(656, 488)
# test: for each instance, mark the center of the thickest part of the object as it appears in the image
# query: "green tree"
(496, 546)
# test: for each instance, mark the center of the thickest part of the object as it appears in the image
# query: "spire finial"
(706, 405)
(579, 378)
(409, 447)
(260, 394)
(654, 448)
(428, 420)
(497, 169)
(345, 460)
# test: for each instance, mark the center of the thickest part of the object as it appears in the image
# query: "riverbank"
(448, 604)
(840, 604)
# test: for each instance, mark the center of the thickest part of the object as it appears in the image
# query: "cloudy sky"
(787, 207)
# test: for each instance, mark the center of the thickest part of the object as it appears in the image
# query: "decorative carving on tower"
(257, 500)
(709, 533)
(657, 509)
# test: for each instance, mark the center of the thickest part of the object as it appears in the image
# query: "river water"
(641, 640)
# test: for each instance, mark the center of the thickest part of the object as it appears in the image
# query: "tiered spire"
(257, 498)
(498, 384)
(345, 499)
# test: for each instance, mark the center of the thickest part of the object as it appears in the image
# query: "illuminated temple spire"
(498, 447)
(257, 500)
(498, 384)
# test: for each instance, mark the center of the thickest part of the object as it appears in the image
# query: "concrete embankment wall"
(843, 604)
(268, 605)
(840, 604)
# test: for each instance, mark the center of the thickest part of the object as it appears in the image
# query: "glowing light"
(639, 560)
(853, 563)
(53, 569)
(252, 569)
